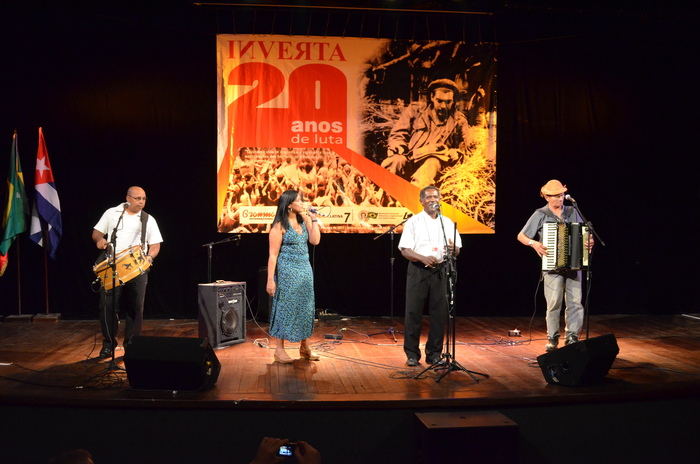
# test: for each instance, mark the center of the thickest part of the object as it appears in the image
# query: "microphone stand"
(112, 366)
(235, 238)
(448, 360)
(589, 271)
(391, 330)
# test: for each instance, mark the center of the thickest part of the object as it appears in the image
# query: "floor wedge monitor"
(580, 363)
(171, 363)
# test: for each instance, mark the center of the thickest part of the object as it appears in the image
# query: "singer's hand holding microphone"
(316, 212)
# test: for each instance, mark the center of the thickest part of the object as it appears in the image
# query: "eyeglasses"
(137, 198)
(555, 196)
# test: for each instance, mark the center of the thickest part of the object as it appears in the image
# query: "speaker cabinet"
(580, 363)
(171, 363)
(222, 313)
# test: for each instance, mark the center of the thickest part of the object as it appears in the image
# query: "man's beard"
(443, 114)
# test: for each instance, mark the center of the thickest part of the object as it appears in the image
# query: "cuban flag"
(46, 227)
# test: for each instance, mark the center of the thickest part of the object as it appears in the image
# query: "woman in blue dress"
(290, 280)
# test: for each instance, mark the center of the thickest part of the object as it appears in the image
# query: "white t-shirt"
(424, 235)
(129, 232)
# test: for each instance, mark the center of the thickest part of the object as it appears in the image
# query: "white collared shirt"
(425, 236)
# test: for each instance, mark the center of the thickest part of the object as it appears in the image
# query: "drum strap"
(144, 220)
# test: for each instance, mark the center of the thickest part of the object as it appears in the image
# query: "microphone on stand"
(316, 212)
(124, 205)
(570, 198)
(236, 238)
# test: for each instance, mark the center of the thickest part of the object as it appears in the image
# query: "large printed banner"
(359, 126)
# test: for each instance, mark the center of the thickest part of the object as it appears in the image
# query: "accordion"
(565, 244)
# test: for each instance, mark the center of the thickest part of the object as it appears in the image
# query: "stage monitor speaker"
(580, 363)
(171, 363)
(222, 313)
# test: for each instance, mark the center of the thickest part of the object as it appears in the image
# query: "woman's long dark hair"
(282, 214)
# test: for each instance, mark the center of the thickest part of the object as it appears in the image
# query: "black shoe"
(433, 359)
(412, 362)
(105, 353)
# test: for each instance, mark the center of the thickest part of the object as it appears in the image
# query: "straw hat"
(553, 187)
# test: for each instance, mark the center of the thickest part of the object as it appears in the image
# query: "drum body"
(129, 263)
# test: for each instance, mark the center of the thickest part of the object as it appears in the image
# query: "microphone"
(315, 211)
(125, 205)
(437, 206)
(570, 198)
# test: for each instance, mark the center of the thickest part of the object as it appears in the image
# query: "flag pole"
(14, 221)
(46, 278)
(47, 316)
(46, 226)
(19, 280)
(19, 317)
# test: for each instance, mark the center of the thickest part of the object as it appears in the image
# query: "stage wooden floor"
(53, 363)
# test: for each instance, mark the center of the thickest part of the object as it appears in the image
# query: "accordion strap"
(548, 212)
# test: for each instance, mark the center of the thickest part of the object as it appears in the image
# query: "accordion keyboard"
(549, 239)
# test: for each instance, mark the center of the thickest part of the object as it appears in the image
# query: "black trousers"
(425, 285)
(131, 297)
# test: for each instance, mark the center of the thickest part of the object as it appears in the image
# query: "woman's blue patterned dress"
(293, 306)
